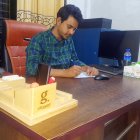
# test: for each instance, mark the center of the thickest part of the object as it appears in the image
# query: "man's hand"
(91, 71)
(73, 71)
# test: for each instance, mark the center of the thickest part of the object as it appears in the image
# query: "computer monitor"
(112, 45)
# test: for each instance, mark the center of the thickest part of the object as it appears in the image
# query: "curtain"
(38, 11)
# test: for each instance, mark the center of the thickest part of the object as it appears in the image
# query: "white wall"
(125, 14)
(84, 5)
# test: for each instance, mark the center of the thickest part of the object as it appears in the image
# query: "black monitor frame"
(112, 45)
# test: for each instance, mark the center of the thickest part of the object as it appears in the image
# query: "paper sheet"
(83, 75)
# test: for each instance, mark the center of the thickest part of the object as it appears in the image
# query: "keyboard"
(109, 69)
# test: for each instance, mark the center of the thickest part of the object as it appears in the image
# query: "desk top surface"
(98, 101)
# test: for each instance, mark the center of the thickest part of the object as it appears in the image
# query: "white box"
(132, 71)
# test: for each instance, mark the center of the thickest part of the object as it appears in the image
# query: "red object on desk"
(51, 80)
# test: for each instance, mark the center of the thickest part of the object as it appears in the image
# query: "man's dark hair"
(70, 10)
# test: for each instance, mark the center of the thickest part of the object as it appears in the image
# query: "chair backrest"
(17, 35)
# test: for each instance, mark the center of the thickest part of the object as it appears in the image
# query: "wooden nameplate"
(33, 105)
(63, 102)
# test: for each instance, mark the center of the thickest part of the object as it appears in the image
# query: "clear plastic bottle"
(127, 57)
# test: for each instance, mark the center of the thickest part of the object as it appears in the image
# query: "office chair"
(18, 35)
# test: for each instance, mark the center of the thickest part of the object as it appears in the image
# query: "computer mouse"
(101, 77)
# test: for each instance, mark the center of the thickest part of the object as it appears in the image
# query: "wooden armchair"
(18, 35)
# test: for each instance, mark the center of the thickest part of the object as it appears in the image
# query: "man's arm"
(33, 57)
(70, 72)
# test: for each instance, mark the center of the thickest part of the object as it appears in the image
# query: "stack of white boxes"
(132, 71)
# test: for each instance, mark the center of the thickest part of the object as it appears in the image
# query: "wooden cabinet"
(123, 127)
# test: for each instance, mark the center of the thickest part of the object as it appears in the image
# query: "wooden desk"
(101, 103)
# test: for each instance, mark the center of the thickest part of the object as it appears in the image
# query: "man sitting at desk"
(55, 47)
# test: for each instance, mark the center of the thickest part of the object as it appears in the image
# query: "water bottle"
(127, 57)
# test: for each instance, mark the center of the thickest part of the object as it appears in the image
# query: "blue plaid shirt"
(45, 48)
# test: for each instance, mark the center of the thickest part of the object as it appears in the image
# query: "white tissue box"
(132, 71)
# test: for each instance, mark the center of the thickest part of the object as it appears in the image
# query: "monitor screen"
(112, 44)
